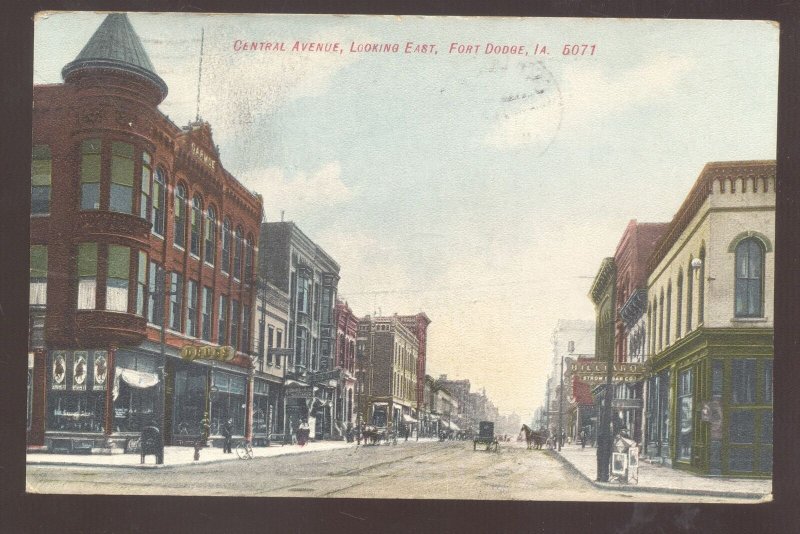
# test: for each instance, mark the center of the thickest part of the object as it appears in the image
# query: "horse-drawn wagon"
(485, 436)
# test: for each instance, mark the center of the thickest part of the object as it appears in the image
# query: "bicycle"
(244, 450)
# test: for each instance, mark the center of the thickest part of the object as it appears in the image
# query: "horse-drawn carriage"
(534, 438)
(485, 436)
(374, 435)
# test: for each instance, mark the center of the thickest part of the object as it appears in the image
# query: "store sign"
(298, 392)
(595, 372)
(59, 370)
(194, 352)
(203, 156)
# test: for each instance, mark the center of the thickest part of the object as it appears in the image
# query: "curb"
(170, 466)
(655, 489)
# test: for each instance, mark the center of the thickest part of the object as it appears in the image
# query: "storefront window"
(76, 391)
(260, 407)
(685, 415)
(228, 402)
(190, 400)
(743, 377)
(135, 392)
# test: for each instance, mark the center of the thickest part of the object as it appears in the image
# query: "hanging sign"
(59, 370)
(79, 371)
(595, 373)
(194, 352)
(100, 370)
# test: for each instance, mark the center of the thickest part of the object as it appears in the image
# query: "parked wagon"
(485, 436)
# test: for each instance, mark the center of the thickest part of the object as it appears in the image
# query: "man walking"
(227, 433)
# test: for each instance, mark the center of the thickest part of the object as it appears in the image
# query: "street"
(408, 470)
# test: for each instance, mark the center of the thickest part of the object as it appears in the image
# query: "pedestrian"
(583, 438)
(227, 433)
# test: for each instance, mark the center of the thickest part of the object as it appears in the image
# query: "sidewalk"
(664, 479)
(175, 456)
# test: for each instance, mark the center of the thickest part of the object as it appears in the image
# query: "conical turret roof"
(115, 45)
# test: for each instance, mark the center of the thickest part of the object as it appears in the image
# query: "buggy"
(485, 436)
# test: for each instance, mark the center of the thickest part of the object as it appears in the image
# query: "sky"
(481, 188)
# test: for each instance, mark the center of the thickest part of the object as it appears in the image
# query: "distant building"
(418, 324)
(345, 362)
(389, 352)
(294, 264)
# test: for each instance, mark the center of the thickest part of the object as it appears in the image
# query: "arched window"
(211, 235)
(146, 185)
(226, 245)
(679, 309)
(668, 314)
(248, 258)
(196, 225)
(749, 278)
(237, 254)
(180, 216)
(661, 321)
(689, 295)
(701, 294)
(159, 201)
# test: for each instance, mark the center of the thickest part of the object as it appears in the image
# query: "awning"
(380, 404)
(290, 382)
(409, 419)
(137, 379)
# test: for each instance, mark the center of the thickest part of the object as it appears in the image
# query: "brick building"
(418, 324)
(134, 224)
(345, 362)
(388, 352)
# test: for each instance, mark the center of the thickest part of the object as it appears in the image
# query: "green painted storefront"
(709, 402)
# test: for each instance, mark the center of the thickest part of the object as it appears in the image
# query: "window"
(222, 327)
(38, 275)
(197, 221)
(208, 302)
(121, 177)
(235, 318)
(237, 254)
(270, 335)
(41, 177)
(90, 174)
(248, 258)
(325, 316)
(155, 301)
(159, 201)
(743, 378)
(768, 382)
(245, 329)
(689, 295)
(141, 283)
(175, 301)
(180, 216)
(226, 245)
(119, 269)
(262, 346)
(668, 312)
(749, 278)
(191, 309)
(279, 339)
(679, 305)
(661, 321)
(147, 178)
(87, 275)
(211, 235)
(685, 415)
(701, 287)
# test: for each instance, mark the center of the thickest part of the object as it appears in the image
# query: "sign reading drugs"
(595, 372)
(194, 352)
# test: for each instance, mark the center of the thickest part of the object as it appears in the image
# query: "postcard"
(402, 257)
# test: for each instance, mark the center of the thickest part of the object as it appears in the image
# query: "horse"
(532, 438)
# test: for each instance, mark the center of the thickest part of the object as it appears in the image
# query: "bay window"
(41, 177)
(90, 174)
(119, 260)
(141, 283)
(121, 177)
(87, 276)
(38, 275)
(147, 178)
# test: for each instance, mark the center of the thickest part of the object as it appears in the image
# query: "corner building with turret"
(142, 245)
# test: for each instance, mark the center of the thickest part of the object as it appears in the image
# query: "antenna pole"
(200, 74)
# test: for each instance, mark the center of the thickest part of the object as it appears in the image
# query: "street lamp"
(571, 349)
